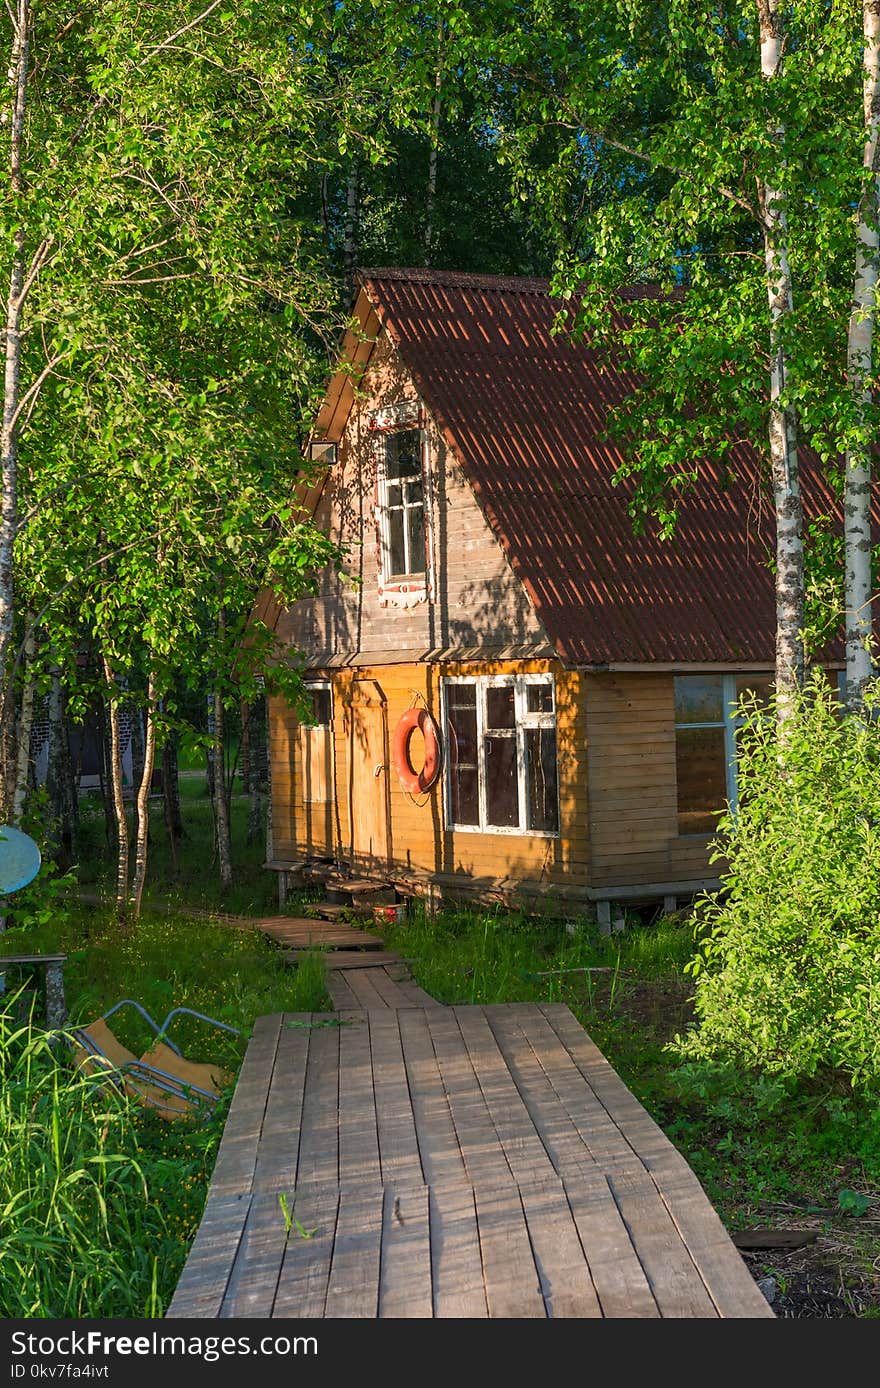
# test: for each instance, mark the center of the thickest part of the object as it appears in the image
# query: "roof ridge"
(522, 284)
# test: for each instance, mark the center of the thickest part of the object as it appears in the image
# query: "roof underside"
(524, 410)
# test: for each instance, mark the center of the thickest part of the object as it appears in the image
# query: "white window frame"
(414, 576)
(730, 722)
(320, 684)
(523, 720)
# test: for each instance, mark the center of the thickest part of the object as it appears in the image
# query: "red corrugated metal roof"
(524, 410)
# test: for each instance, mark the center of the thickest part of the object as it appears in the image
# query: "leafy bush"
(788, 966)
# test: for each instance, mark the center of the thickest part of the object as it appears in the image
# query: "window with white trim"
(501, 768)
(320, 697)
(705, 744)
(402, 505)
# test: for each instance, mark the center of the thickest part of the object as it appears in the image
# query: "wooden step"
(366, 959)
(299, 934)
(319, 872)
(342, 890)
(335, 911)
(279, 865)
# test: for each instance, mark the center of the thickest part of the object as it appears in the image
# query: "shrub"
(788, 965)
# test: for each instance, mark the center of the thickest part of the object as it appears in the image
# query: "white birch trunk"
(859, 358)
(116, 786)
(18, 74)
(25, 723)
(431, 199)
(143, 800)
(782, 436)
(221, 807)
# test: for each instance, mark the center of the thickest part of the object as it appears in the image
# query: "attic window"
(402, 505)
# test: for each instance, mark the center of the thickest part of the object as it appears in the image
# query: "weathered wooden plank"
(621, 1283)
(353, 1287)
(202, 1284)
(647, 1140)
(599, 1133)
(513, 1289)
(729, 1282)
(398, 1143)
(236, 1156)
(391, 992)
(276, 1163)
(319, 1136)
(340, 993)
(364, 988)
(405, 1281)
(678, 1288)
(526, 1155)
(305, 1270)
(563, 1271)
(416, 996)
(478, 1138)
(438, 1143)
(358, 1127)
(558, 1133)
(459, 1287)
(363, 959)
(257, 1264)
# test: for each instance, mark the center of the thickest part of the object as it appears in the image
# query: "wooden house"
(571, 683)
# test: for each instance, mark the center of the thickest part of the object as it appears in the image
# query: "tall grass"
(81, 1233)
(99, 1198)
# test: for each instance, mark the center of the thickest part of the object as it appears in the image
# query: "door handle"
(379, 768)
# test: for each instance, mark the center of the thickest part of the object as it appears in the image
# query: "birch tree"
(782, 424)
(859, 363)
(710, 151)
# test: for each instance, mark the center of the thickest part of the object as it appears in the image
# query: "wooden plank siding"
(630, 772)
(421, 844)
(475, 599)
(615, 731)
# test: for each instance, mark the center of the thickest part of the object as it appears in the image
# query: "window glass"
(322, 704)
(403, 454)
(502, 762)
(502, 787)
(403, 504)
(500, 706)
(757, 686)
(701, 774)
(396, 545)
(416, 536)
(699, 699)
(539, 698)
(462, 721)
(543, 799)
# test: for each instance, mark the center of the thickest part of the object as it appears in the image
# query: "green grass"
(129, 1189)
(101, 1199)
(195, 880)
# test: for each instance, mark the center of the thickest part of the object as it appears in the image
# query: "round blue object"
(19, 859)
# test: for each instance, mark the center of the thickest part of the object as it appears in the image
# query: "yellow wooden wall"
(618, 813)
(422, 847)
(630, 770)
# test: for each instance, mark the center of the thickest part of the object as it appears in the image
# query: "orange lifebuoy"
(412, 780)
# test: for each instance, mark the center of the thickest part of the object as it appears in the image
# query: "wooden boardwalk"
(300, 933)
(402, 1160)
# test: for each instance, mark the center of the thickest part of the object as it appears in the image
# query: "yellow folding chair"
(161, 1079)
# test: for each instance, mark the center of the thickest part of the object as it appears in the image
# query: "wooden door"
(316, 772)
(368, 807)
